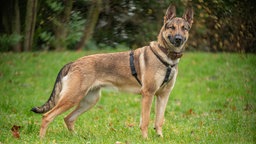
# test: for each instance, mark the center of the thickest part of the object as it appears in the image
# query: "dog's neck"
(163, 53)
(172, 55)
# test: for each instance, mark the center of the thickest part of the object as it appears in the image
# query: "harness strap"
(168, 67)
(166, 78)
(162, 61)
(132, 66)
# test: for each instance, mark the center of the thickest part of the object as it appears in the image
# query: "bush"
(8, 41)
(224, 25)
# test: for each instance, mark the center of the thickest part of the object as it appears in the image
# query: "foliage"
(75, 27)
(55, 6)
(135, 23)
(213, 102)
(219, 25)
(7, 41)
(224, 25)
(46, 38)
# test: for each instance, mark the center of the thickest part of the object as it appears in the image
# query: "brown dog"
(150, 70)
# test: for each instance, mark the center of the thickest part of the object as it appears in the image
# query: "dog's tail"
(53, 99)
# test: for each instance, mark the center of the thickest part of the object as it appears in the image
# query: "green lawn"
(214, 101)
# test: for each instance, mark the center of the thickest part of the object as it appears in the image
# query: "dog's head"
(175, 30)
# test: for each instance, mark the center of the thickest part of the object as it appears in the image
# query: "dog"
(150, 71)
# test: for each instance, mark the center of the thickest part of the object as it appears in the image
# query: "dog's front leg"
(161, 102)
(147, 98)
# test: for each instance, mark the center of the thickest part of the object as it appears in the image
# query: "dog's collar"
(160, 58)
(172, 55)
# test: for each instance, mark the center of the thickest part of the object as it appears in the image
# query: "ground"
(213, 101)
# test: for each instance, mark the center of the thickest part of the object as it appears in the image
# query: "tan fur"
(81, 85)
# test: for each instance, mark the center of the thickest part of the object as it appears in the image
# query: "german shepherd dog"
(150, 71)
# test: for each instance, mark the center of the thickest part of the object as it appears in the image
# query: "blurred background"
(59, 25)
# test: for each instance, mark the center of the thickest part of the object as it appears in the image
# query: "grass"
(214, 101)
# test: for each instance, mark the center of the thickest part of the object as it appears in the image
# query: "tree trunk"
(6, 9)
(16, 25)
(60, 26)
(92, 19)
(30, 20)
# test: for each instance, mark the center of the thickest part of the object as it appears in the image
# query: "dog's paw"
(160, 135)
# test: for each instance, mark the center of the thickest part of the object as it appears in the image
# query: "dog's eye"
(185, 28)
(171, 27)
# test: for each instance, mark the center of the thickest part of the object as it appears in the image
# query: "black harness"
(132, 66)
(168, 67)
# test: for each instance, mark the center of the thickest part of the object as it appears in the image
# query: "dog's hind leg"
(85, 104)
(49, 117)
(70, 95)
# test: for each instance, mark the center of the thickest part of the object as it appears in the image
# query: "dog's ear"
(170, 13)
(188, 15)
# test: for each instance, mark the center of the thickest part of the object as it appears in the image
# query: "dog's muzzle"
(177, 40)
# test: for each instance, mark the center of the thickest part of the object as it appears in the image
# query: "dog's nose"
(178, 40)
